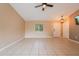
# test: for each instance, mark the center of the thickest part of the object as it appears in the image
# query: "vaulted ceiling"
(28, 11)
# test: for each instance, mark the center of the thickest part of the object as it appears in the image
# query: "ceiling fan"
(44, 5)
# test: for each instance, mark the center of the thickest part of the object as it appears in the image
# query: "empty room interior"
(39, 29)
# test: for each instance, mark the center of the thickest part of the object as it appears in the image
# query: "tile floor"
(42, 47)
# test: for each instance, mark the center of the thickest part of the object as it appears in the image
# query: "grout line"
(73, 41)
(1, 49)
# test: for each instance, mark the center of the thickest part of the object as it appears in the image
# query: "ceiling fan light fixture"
(44, 6)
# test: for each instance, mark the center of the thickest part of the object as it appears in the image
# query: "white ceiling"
(29, 12)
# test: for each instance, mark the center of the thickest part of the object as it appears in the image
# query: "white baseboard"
(38, 37)
(74, 41)
(1, 49)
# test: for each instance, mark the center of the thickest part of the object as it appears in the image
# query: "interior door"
(56, 29)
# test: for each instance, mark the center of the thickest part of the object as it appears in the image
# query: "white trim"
(38, 37)
(73, 41)
(11, 44)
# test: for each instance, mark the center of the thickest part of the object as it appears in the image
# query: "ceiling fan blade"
(38, 6)
(49, 5)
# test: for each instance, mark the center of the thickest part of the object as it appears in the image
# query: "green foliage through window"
(38, 27)
(77, 20)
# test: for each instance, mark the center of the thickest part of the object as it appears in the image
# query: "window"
(38, 27)
(77, 20)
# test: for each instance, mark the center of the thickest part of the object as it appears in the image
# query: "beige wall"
(30, 29)
(11, 25)
(73, 28)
